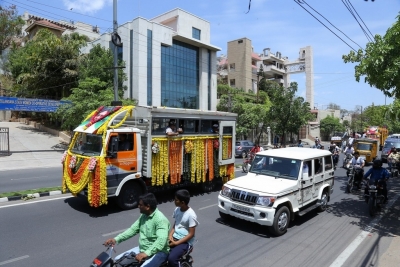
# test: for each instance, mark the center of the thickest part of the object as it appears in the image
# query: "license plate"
(237, 207)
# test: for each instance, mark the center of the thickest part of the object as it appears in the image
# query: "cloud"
(86, 6)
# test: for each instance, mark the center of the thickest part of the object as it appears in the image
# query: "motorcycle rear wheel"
(372, 206)
(349, 186)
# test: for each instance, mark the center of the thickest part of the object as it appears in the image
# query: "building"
(169, 60)
(241, 66)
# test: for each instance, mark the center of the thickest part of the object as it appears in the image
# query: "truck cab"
(280, 184)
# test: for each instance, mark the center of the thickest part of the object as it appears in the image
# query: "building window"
(240, 41)
(149, 67)
(180, 75)
(196, 33)
(232, 66)
(232, 82)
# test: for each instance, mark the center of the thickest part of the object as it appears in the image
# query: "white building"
(169, 60)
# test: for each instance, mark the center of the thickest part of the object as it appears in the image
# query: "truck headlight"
(226, 191)
(266, 201)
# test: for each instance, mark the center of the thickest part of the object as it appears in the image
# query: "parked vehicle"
(280, 184)
(95, 167)
(389, 143)
(368, 149)
(243, 147)
(105, 259)
(374, 198)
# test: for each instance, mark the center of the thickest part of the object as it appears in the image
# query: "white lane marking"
(29, 178)
(206, 207)
(358, 240)
(27, 203)
(113, 233)
(15, 259)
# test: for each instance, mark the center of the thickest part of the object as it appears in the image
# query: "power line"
(349, 7)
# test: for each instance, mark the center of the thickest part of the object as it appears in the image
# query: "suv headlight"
(266, 201)
(226, 191)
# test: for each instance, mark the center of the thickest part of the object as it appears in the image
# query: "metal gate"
(4, 141)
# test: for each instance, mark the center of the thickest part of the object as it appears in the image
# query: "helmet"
(377, 164)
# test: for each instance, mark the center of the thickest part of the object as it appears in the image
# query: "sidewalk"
(31, 148)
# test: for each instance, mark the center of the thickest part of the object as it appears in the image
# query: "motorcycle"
(247, 162)
(374, 197)
(335, 158)
(394, 168)
(352, 181)
(105, 259)
(347, 160)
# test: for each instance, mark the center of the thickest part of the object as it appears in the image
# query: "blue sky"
(281, 25)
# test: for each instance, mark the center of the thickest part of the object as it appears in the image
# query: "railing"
(4, 141)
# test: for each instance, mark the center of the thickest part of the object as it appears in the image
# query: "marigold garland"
(175, 161)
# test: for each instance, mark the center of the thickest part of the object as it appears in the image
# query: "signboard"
(30, 104)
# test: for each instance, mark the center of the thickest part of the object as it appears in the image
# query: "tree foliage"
(95, 88)
(10, 26)
(330, 124)
(380, 61)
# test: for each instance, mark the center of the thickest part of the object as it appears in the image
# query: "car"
(242, 147)
(389, 143)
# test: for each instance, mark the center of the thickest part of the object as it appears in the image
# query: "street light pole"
(259, 73)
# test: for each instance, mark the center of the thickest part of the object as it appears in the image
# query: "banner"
(30, 104)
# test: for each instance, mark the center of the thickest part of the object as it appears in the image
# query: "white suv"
(280, 184)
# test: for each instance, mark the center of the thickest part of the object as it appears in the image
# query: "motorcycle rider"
(334, 149)
(358, 165)
(393, 158)
(348, 153)
(153, 228)
(378, 174)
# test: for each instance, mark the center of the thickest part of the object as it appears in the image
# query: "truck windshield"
(277, 167)
(363, 146)
(88, 144)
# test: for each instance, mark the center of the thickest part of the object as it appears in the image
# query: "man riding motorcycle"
(378, 175)
(358, 165)
(334, 149)
(393, 158)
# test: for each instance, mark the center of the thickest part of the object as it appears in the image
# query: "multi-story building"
(242, 66)
(169, 60)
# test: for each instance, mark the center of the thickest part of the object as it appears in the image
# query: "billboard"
(30, 104)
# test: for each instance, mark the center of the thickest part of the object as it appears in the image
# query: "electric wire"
(352, 13)
(361, 19)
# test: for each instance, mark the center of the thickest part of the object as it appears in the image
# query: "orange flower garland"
(175, 161)
(210, 159)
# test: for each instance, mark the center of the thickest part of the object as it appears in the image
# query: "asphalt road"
(24, 179)
(65, 231)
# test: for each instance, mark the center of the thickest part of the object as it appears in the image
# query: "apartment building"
(169, 60)
(241, 67)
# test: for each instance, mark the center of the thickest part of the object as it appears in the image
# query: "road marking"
(27, 203)
(13, 260)
(113, 233)
(28, 178)
(206, 207)
(360, 238)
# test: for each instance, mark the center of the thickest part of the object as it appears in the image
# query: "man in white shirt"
(358, 163)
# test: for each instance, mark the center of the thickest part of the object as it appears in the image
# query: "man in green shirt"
(153, 228)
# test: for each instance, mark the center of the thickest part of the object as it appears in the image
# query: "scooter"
(105, 259)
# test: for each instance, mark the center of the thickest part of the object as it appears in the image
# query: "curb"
(30, 196)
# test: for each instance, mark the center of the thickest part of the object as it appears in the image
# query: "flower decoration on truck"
(216, 144)
(155, 148)
(92, 164)
(64, 156)
(72, 162)
(188, 147)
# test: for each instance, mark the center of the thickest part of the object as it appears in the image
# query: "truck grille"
(244, 197)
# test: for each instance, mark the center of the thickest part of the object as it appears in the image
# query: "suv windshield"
(88, 144)
(363, 146)
(277, 167)
(389, 144)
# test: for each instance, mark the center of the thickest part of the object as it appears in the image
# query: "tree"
(288, 112)
(95, 88)
(10, 26)
(330, 124)
(379, 62)
(46, 66)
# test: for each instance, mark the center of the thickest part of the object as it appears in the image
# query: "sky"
(281, 25)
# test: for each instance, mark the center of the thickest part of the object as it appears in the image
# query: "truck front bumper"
(258, 214)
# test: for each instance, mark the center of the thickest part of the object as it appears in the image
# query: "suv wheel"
(281, 221)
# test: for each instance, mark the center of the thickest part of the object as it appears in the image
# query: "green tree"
(330, 124)
(10, 26)
(288, 112)
(46, 66)
(95, 88)
(379, 62)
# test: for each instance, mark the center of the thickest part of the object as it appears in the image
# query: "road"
(64, 231)
(24, 179)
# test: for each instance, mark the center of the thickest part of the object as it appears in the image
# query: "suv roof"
(296, 153)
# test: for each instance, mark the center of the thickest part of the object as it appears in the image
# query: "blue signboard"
(30, 104)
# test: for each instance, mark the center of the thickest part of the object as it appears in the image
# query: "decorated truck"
(377, 133)
(97, 165)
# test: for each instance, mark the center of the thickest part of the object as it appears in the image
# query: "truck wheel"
(225, 217)
(128, 198)
(281, 221)
(324, 202)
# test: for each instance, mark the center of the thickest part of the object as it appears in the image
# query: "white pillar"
(269, 135)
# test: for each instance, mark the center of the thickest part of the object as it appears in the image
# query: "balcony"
(274, 69)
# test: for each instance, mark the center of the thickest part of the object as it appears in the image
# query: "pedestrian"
(299, 144)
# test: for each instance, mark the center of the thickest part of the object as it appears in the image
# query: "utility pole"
(116, 40)
(259, 73)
